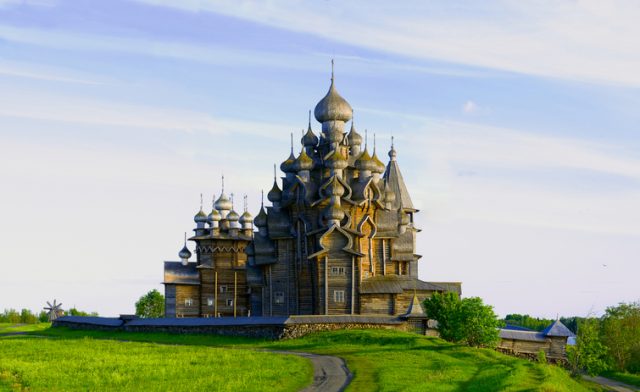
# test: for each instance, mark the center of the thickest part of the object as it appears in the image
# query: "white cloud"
(587, 40)
(469, 107)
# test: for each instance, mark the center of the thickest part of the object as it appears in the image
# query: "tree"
(468, 321)
(588, 354)
(621, 335)
(150, 305)
(75, 312)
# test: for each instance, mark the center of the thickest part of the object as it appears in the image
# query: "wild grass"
(61, 364)
(391, 361)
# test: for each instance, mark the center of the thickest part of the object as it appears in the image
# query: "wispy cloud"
(588, 40)
(38, 72)
(81, 110)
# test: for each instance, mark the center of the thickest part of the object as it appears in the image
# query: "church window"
(188, 302)
(224, 289)
(278, 297)
(337, 270)
(209, 301)
(338, 296)
(229, 302)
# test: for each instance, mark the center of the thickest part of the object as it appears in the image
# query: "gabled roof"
(558, 329)
(394, 179)
(415, 309)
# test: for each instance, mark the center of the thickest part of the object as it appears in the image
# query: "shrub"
(468, 321)
(150, 305)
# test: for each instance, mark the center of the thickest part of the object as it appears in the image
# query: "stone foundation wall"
(269, 330)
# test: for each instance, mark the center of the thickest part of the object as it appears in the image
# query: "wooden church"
(338, 238)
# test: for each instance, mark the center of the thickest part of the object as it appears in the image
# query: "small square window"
(224, 289)
(209, 301)
(338, 296)
(188, 302)
(278, 297)
(229, 302)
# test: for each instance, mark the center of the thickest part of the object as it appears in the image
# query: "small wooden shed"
(524, 342)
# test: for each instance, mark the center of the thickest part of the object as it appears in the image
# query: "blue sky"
(516, 125)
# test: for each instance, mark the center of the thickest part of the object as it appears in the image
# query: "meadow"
(380, 360)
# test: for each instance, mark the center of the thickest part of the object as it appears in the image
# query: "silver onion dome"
(200, 217)
(378, 167)
(214, 216)
(364, 162)
(303, 162)
(246, 217)
(354, 137)
(233, 216)
(333, 107)
(223, 203)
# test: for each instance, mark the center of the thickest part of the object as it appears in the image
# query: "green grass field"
(10, 328)
(380, 360)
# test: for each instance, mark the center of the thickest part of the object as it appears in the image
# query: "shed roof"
(532, 336)
(177, 273)
(394, 284)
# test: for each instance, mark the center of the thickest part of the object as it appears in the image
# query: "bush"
(468, 321)
(150, 305)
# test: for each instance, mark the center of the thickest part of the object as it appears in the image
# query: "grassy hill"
(380, 360)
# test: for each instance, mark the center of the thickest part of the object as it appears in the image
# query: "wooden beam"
(353, 283)
(326, 285)
(235, 292)
(215, 296)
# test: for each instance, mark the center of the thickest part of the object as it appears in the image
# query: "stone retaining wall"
(265, 328)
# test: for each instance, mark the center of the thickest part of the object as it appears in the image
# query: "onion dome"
(379, 166)
(223, 203)
(333, 107)
(309, 139)
(275, 194)
(334, 212)
(303, 162)
(364, 162)
(335, 160)
(287, 165)
(184, 253)
(233, 216)
(214, 216)
(246, 217)
(392, 151)
(354, 137)
(261, 218)
(200, 217)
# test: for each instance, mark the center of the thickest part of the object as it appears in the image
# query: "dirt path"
(330, 374)
(612, 385)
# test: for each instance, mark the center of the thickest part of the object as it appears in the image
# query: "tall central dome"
(333, 107)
